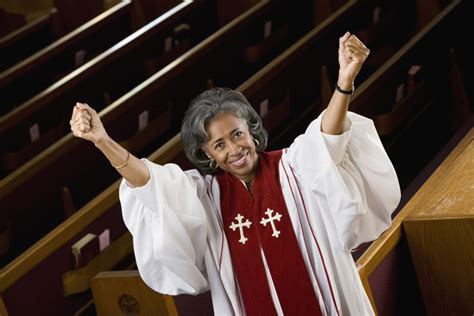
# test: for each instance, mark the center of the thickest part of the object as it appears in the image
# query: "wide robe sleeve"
(168, 225)
(352, 173)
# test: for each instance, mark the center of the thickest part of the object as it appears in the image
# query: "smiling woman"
(222, 131)
(232, 225)
(232, 147)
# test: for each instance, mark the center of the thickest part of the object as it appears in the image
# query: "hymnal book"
(104, 239)
(84, 250)
(413, 78)
(400, 93)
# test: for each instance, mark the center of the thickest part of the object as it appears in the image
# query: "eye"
(238, 134)
(219, 146)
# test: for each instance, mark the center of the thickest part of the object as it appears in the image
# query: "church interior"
(64, 248)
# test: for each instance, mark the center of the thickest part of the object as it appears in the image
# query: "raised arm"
(352, 54)
(86, 124)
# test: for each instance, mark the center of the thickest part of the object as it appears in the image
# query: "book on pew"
(413, 78)
(85, 249)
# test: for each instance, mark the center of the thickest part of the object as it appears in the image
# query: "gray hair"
(206, 107)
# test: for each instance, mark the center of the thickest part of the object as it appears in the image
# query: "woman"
(267, 232)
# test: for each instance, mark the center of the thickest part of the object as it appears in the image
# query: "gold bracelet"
(125, 163)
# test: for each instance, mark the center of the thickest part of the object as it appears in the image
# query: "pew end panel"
(442, 251)
(117, 292)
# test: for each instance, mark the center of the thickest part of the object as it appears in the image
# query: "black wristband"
(348, 92)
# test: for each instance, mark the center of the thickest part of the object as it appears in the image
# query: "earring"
(257, 143)
(213, 166)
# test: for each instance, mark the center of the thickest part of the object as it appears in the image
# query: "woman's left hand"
(352, 54)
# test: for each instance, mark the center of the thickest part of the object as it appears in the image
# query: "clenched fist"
(86, 124)
(352, 54)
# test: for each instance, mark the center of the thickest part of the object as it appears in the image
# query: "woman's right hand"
(86, 124)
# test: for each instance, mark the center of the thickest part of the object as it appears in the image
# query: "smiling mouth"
(241, 161)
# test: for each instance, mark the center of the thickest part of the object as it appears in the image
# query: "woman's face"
(231, 146)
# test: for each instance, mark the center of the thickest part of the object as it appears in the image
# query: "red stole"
(262, 221)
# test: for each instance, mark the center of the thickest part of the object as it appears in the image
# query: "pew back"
(160, 95)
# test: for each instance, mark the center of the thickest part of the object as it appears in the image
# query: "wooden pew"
(118, 292)
(389, 294)
(110, 75)
(387, 267)
(73, 15)
(306, 68)
(28, 39)
(10, 22)
(96, 215)
(425, 118)
(62, 56)
(440, 233)
(49, 261)
(39, 254)
(161, 95)
(107, 76)
(63, 17)
(175, 151)
(54, 199)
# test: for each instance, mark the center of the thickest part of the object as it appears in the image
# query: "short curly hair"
(206, 107)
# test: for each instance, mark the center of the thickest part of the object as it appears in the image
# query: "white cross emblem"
(240, 225)
(271, 219)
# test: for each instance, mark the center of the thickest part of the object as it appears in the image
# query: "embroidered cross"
(271, 219)
(240, 225)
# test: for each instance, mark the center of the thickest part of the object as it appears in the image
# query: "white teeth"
(240, 161)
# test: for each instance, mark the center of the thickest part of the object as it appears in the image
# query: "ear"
(207, 154)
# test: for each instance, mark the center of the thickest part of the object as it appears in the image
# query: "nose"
(235, 149)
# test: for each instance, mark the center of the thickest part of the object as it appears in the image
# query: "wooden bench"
(166, 153)
(44, 67)
(113, 73)
(28, 39)
(389, 267)
(49, 261)
(105, 77)
(10, 22)
(62, 18)
(72, 50)
(308, 68)
(164, 99)
(97, 213)
(440, 233)
(427, 114)
(117, 292)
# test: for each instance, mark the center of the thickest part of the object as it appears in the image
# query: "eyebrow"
(230, 133)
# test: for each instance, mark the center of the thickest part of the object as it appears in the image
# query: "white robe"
(340, 192)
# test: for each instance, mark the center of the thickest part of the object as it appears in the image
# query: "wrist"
(346, 91)
(345, 84)
(102, 141)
